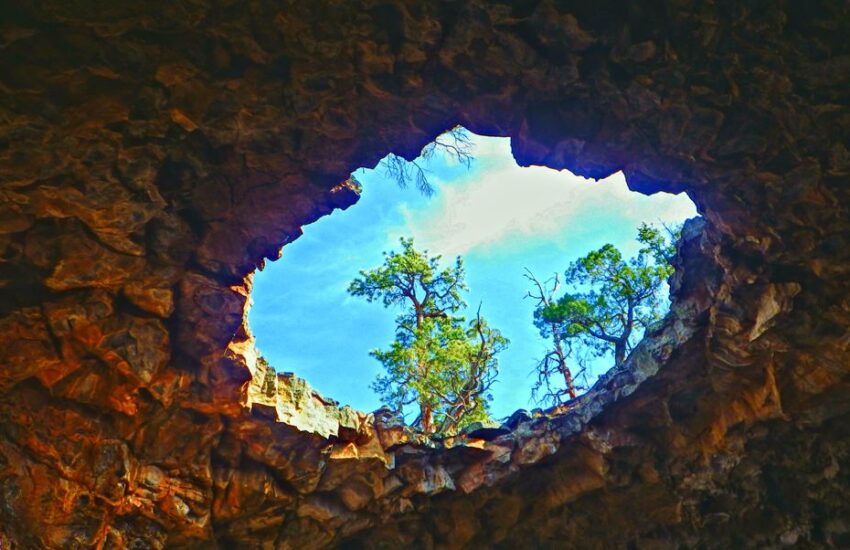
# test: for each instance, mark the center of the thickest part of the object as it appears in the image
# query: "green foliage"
(558, 363)
(412, 277)
(612, 296)
(437, 361)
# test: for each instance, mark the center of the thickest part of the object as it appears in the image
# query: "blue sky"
(501, 218)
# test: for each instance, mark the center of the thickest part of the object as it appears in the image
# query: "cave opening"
(507, 222)
(153, 158)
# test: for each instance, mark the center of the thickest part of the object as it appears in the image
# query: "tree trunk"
(623, 342)
(568, 379)
(562, 363)
(619, 352)
(425, 416)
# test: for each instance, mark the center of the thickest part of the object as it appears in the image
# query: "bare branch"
(454, 143)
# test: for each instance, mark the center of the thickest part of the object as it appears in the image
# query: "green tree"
(554, 363)
(613, 299)
(437, 361)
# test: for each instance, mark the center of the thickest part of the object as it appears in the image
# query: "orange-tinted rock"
(159, 301)
(150, 159)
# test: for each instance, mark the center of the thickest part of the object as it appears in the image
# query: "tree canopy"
(555, 362)
(612, 299)
(437, 361)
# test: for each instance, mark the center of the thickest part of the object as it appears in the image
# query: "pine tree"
(437, 361)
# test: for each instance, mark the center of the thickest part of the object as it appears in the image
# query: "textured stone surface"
(153, 155)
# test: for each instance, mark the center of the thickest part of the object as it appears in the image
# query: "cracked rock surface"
(152, 155)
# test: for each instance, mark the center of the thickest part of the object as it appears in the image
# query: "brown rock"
(151, 159)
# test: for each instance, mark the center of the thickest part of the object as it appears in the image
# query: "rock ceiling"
(153, 154)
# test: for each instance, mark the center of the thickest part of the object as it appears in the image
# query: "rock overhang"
(152, 160)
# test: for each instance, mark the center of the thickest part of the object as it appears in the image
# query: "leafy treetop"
(612, 296)
(437, 360)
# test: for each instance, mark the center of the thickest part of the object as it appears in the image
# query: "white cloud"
(512, 202)
(497, 203)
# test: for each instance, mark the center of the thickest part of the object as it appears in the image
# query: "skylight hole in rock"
(504, 220)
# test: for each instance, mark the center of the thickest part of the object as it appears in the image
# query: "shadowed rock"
(151, 157)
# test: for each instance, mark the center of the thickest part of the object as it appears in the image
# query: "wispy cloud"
(511, 203)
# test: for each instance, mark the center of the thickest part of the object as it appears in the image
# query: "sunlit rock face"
(152, 156)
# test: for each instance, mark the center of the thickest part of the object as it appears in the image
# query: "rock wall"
(152, 155)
